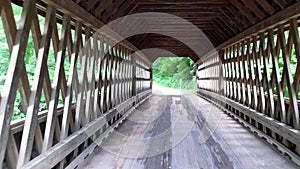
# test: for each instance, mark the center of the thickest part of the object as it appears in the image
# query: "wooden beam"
(182, 11)
(229, 25)
(178, 7)
(278, 18)
(266, 6)
(112, 8)
(13, 76)
(31, 115)
(239, 17)
(252, 6)
(10, 29)
(213, 37)
(281, 3)
(101, 9)
(244, 11)
(182, 2)
(233, 21)
(90, 4)
(130, 5)
(223, 30)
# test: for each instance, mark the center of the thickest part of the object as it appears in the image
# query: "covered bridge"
(245, 113)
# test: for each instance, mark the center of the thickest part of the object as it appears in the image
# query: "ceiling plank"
(125, 10)
(219, 32)
(252, 6)
(266, 6)
(112, 8)
(241, 18)
(244, 11)
(217, 23)
(218, 2)
(229, 25)
(281, 3)
(212, 37)
(90, 4)
(179, 10)
(233, 20)
(100, 10)
(220, 20)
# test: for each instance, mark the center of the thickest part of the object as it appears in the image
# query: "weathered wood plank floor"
(230, 146)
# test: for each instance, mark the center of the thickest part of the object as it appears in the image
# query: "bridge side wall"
(255, 78)
(95, 84)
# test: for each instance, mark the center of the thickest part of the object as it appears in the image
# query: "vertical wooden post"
(221, 80)
(151, 79)
(133, 63)
(197, 76)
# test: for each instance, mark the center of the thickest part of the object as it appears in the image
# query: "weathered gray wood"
(295, 36)
(223, 149)
(97, 142)
(37, 36)
(101, 76)
(81, 78)
(279, 91)
(295, 158)
(263, 92)
(32, 141)
(286, 131)
(89, 78)
(10, 29)
(252, 90)
(258, 76)
(12, 152)
(58, 152)
(290, 81)
(278, 18)
(94, 108)
(123, 72)
(269, 88)
(68, 100)
(31, 115)
(110, 75)
(52, 117)
(13, 76)
(133, 62)
(105, 76)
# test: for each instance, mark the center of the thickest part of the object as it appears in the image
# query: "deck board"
(230, 146)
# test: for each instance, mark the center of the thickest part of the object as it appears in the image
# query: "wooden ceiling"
(220, 20)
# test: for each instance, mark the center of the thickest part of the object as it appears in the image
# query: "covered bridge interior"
(247, 55)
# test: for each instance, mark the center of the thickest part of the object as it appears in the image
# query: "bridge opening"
(175, 72)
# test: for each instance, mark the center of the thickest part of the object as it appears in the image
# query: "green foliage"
(30, 63)
(174, 72)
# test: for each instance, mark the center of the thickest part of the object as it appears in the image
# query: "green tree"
(174, 72)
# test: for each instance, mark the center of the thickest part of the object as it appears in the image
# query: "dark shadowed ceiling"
(220, 20)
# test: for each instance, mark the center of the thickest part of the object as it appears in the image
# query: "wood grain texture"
(222, 150)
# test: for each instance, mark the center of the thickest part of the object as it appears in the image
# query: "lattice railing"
(143, 75)
(256, 76)
(91, 87)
